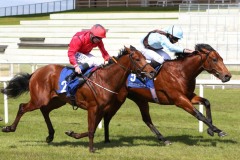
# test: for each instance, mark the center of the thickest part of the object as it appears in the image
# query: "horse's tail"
(17, 85)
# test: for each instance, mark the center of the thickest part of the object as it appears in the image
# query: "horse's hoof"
(49, 139)
(1, 119)
(107, 141)
(167, 143)
(222, 134)
(7, 129)
(210, 132)
(92, 150)
(69, 133)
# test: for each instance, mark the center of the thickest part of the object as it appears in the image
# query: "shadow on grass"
(130, 141)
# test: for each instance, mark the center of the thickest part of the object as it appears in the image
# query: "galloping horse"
(175, 85)
(94, 96)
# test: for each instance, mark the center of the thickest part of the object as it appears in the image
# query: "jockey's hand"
(188, 51)
(107, 58)
(105, 62)
(78, 70)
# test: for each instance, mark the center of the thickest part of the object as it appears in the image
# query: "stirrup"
(74, 106)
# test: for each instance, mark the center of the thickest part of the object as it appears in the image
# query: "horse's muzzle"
(226, 78)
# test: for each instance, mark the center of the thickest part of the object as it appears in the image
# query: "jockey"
(80, 47)
(153, 44)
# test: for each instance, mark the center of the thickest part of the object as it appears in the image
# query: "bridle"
(139, 70)
(202, 62)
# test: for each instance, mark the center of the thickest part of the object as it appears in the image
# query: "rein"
(202, 62)
(138, 69)
(87, 79)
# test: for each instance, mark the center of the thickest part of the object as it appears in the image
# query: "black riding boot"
(83, 68)
(71, 77)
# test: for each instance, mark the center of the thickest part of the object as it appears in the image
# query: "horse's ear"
(127, 49)
(132, 48)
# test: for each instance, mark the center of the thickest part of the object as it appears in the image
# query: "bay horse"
(175, 85)
(94, 96)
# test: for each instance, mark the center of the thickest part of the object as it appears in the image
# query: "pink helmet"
(98, 31)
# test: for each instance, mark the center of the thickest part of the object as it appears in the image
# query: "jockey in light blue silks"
(154, 42)
(152, 46)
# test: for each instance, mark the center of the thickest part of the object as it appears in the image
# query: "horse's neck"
(194, 65)
(117, 74)
(191, 66)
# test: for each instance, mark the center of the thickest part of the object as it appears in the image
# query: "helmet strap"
(172, 30)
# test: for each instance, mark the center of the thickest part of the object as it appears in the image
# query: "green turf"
(15, 20)
(130, 138)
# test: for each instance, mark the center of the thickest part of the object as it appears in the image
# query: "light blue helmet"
(176, 31)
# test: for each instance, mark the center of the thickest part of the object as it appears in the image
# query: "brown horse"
(175, 85)
(94, 96)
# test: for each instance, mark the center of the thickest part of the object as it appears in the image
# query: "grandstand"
(45, 41)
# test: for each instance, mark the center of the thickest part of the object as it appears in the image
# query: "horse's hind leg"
(23, 108)
(144, 109)
(53, 104)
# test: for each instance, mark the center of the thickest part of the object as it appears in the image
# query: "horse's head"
(139, 64)
(213, 63)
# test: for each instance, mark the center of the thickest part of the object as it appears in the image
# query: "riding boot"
(81, 81)
(71, 77)
(83, 68)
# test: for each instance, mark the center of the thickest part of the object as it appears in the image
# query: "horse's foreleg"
(206, 103)
(211, 128)
(23, 108)
(94, 118)
(187, 106)
(107, 118)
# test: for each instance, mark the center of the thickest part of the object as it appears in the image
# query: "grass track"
(130, 138)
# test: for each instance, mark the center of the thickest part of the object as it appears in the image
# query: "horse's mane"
(198, 47)
(121, 53)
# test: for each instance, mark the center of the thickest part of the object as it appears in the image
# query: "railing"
(38, 8)
(229, 8)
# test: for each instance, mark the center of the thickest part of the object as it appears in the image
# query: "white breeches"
(90, 59)
(159, 55)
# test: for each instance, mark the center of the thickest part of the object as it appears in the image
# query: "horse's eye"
(214, 60)
(138, 59)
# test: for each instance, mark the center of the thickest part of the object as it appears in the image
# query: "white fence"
(201, 84)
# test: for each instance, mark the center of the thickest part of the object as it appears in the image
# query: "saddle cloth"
(70, 87)
(134, 82)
